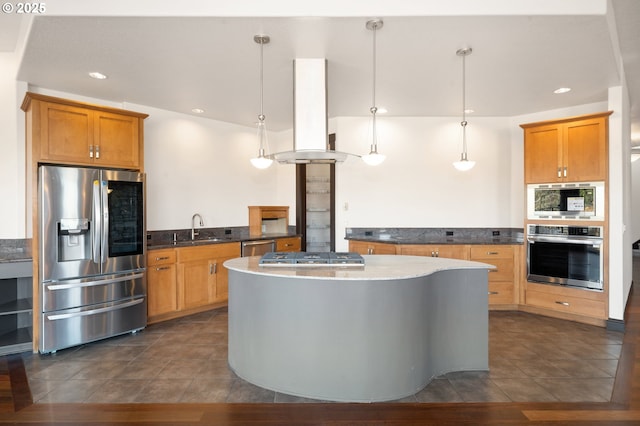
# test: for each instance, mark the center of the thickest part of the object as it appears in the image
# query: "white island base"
(360, 334)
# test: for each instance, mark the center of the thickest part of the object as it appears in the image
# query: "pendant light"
(374, 158)
(261, 161)
(464, 164)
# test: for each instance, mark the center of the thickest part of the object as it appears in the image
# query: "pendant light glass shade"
(262, 161)
(464, 164)
(374, 158)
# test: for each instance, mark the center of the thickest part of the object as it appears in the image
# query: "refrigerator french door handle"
(105, 221)
(96, 219)
(95, 311)
(92, 283)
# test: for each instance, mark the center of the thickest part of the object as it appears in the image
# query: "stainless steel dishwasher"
(257, 247)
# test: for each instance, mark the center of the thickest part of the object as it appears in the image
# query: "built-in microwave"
(578, 200)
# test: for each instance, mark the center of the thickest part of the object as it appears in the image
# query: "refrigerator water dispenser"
(74, 240)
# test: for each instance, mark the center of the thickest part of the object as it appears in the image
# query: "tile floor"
(532, 358)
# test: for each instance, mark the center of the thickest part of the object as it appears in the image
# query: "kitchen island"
(369, 333)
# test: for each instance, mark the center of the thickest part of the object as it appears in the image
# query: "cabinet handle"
(288, 245)
(562, 303)
(162, 258)
(493, 292)
(493, 270)
(559, 172)
(369, 250)
(492, 253)
(565, 171)
(163, 268)
(90, 151)
(435, 254)
(213, 268)
(97, 151)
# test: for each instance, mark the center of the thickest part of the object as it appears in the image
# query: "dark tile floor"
(532, 358)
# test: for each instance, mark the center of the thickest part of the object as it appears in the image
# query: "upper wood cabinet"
(568, 150)
(264, 220)
(69, 132)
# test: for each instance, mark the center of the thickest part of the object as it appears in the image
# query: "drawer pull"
(162, 258)
(493, 292)
(163, 268)
(492, 253)
(562, 303)
(493, 270)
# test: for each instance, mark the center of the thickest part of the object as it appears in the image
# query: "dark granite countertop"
(15, 250)
(437, 235)
(164, 239)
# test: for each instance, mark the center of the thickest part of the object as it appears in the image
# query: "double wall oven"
(561, 252)
(91, 255)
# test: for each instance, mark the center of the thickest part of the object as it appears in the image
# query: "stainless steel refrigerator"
(92, 253)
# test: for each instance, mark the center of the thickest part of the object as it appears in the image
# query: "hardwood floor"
(624, 409)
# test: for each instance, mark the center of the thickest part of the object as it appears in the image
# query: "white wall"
(12, 152)
(417, 185)
(197, 165)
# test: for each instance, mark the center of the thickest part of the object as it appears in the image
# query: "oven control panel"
(561, 230)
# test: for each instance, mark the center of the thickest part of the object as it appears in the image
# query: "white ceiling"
(180, 63)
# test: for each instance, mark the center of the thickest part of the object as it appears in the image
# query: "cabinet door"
(221, 286)
(116, 140)
(542, 154)
(161, 290)
(584, 150)
(195, 283)
(66, 134)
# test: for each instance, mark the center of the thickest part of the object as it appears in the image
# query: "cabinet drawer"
(161, 257)
(208, 251)
(288, 244)
(491, 252)
(500, 293)
(503, 271)
(564, 303)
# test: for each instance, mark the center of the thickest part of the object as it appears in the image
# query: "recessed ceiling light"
(381, 110)
(197, 110)
(562, 90)
(97, 75)
(469, 111)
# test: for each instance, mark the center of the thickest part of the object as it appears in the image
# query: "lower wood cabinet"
(364, 247)
(186, 280)
(451, 251)
(567, 302)
(162, 290)
(504, 278)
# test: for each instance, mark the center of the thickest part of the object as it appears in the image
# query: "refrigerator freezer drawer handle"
(92, 283)
(94, 311)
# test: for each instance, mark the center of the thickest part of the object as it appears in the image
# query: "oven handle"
(95, 311)
(93, 282)
(588, 242)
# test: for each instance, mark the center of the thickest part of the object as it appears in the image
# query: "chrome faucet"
(194, 232)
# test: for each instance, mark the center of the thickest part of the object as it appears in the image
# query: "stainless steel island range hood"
(310, 132)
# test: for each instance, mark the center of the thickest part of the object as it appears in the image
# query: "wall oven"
(565, 255)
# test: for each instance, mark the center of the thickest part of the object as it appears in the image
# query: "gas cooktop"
(302, 258)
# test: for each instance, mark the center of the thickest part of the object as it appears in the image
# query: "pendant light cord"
(374, 109)
(463, 123)
(261, 117)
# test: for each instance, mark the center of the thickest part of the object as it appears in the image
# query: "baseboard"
(615, 325)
